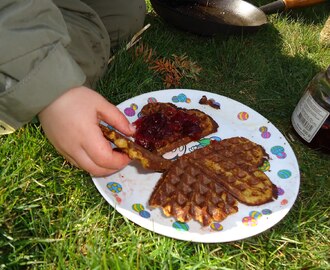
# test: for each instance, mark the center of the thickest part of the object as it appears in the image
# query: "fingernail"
(132, 128)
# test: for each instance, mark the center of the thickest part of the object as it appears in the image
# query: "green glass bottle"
(311, 117)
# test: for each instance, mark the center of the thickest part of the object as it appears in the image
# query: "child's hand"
(71, 123)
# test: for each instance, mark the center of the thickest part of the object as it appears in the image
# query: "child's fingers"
(114, 117)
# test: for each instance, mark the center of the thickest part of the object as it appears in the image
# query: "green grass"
(52, 216)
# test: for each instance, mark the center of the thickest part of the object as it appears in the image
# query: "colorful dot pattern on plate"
(284, 174)
(280, 191)
(216, 226)
(265, 167)
(264, 132)
(204, 142)
(215, 138)
(255, 214)
(234, 119)
(180, 226)
(278, 151)
(181, 98)
(243, 116)
(253, 217)
(131, 110)
(250, 221)
(152, 100)
(114, 187)
(266, 212)
(139, 208)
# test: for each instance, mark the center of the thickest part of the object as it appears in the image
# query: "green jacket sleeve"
(35, 67)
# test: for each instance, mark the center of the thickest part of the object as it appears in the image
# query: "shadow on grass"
(267, 70)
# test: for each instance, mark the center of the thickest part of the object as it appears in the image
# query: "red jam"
(156, 130)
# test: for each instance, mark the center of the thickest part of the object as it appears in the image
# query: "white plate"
(128, 190)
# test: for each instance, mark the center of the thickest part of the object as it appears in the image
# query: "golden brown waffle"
(204, 185)
(238, 149)
(234, 163)
(186, 193)
(164, 127)
(147, 159)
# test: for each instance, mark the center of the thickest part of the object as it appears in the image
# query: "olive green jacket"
(35, 66)
(48, 47)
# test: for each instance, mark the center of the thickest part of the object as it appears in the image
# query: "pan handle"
(301, 3)
(281, 5)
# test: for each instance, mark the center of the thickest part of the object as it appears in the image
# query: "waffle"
(164, 127)
(205, 185)
(147, 159)
(234, 163)
(186, 193)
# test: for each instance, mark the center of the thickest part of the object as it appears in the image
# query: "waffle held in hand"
(147, 159)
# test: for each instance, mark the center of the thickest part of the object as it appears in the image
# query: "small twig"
(135, 39)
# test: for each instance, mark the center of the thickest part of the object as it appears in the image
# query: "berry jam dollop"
(157, 129)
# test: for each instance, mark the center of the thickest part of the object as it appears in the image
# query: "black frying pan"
(208, 17)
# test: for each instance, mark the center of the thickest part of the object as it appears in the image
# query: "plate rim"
(193, 236)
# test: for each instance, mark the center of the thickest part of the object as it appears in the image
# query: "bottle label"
(308, 117)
